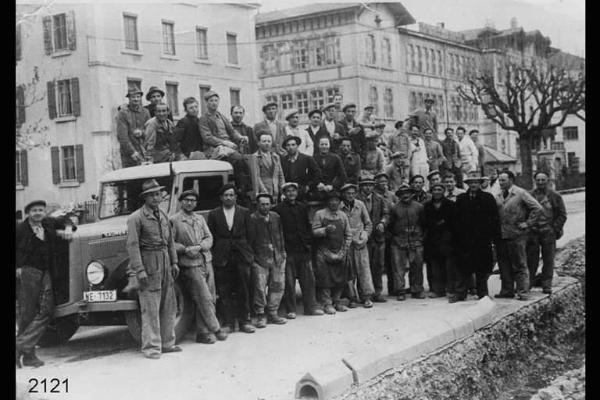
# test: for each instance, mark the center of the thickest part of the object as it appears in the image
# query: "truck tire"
(59, 331)
(184, 317)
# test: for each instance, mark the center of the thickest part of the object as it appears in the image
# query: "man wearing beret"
(153, 260)
(155, 96)
(273, 126)
(232, 260)
(306, 145)
(131, 120)
(298, 245)
(331, 128)
(358, 256)
(37, 241)
(193, 241)
(265, 237)
(315, 117)
(300, 168)
(353, 129)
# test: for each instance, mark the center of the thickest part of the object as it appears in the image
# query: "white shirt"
(419, 156)
(330, 125)
(307, 146)
(229, 214)
(468, 152)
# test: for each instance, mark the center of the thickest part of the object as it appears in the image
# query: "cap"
(382, 174)
(348, 186)
(328, 106)
(432, 173)
(349, 105)
(268, 104)
(294, 138)
(315, 111)
(287, 185)
(291, 113)
(209, 94)
(187, 193)
(34, 203)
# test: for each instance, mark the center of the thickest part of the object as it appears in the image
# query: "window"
(130, 29)
(272, 98)
(451, 64)
(59, 32)
(286, 101)
(63, 98)
(284, 57)
(123, 197)
(300, 55)
(370, 49)
(317, 99)
(427, 63)
(234, 97)
(332, 50)
(67, 164)
(168, 31)
(413, 59)
(412, 101)
(134, 83)
(331, 92)
(20, 109)
(21, 168)
(570, 133)
(440, 103)
(172, 101)
(420, 59)
(201, 46)
(388, 103)
(232, 52)
(387, 51)
(302, 102)
(440, 62)
(269, 59)
(374, 99)
(207, 188)
(433, 63)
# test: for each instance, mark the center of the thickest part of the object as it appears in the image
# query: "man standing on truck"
(130, 127)
(36, 240)
(153, 259)
(193, 241)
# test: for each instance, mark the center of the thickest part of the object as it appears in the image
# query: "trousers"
(377, 264)
(360, 287)
(299, 266)
(233, 293)
(36, 305)
(513, 268)
(199, 283)
(389, 266)
(329, 296)
(546, 242)
(439, 273)
(273, 277)
(475, 261)
(408, 260)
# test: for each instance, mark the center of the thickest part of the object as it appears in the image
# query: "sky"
(563, 21)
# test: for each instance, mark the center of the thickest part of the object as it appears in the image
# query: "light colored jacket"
(469, 154)
(192, 231)
(266, 184)
(360, 222)
(519, 206)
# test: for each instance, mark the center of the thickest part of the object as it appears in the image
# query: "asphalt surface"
(105, 362)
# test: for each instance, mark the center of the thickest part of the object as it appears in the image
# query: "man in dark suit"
(300, 168)
(187, 131)
(232, 258)
(272, 125)
(237, 116)
(315, 116)
(333, 175)
(331, 128)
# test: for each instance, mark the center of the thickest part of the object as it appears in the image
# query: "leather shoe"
(341, 308)
(276, 319)
(368, 304)
(401, 297)
(221, 335)
(31, 360)
(316, 311)
(291, 315)
(261, 321)
(152, 356)
(352, 304)
(379, 299)
(329, 310)
(434, 295)
(504, 296)
(172, 349)
(247, 328)
(206, 338)
(419, 295)
(226, 329)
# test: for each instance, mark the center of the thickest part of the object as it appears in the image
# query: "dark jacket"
(313, 136)
(406, 224)
(554, 214)
(29, 254)
(352, 166)
(226, 243)
(332, 169)
(359, 140)
(379, 211)
(297, 231)
(439, 227)
(128, 120)
(266, 239)
(246, 131)
(187, 133)
(477, 220)
(323, 132)
(304, 171)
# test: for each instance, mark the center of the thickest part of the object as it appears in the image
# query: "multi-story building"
(76, 61)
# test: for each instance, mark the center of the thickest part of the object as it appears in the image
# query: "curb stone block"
(367, 365)
(325, 382)
(482, 313)
(462, 326)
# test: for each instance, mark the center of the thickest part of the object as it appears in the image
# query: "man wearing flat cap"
(153, 261)
(353, 129)
(331, 128)
(131, 120)
(38, 241)
(273, 126)
(306, 145)
(155, 96)
(300, 168)
(193, 241)
(352, 161)
(315, 117)
(426, 118)
(265, 237)
(400, 147)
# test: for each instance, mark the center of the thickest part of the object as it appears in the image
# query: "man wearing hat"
(477, 229)
(426, 118)
(131, 120)
(265, 237)
(273, 126)
(434, 178)
(193, 241)
(306, 145)
(232, 260)
(265, 167)
(162, 145)
(300, 168)
(368, 120)
(331, 128)
(361, 227)
(407, 221)
(315, 116)
(153, 260)
(38, 238)
(379, 212)
(373, 158)
(155, 96)
(353, 129)
(297, 237)
(331, 226)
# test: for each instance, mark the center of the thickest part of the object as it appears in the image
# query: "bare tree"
(528, 100)
(32, 134)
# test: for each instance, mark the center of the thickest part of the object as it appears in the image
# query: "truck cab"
(89, 286)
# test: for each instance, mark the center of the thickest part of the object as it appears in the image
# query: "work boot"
(523, 297)
(504, 296)
(368, 304)
(221, 335)
(206, 338)
(247, 328)
(31, 360)
(152, 356)
(455, 298)
(261, 321)
(419, 295)
(316, 311)
(379, 299)
(434, 295)
(172, 349)
(226, 329)
(341, 308)
(291, 315)
(352, 304)
(276, 319)
(401, 297)
(329, 309)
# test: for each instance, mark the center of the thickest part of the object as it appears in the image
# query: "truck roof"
(164, 169)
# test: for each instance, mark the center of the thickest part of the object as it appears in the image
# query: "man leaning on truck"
(153, 259)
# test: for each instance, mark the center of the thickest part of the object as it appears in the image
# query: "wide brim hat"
(211, 93)
(369, 106)
(150, 186)
(310, 114)
(473, 176)
(349, 105)
(187, 193)
(131, 92)
(291, 113)
(328, 106)
(348, 186)
(294, 138)
(289, 184)
(33, 204)
(268, 104)
(152, 90)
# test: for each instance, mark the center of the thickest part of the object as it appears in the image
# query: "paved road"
(100, 352)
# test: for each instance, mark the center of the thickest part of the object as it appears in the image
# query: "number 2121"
(53, 384)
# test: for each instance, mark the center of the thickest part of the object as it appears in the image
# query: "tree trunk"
(525, 143)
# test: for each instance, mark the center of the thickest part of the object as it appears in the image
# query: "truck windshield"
(123, 197)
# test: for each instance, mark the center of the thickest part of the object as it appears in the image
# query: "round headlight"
(95, 272)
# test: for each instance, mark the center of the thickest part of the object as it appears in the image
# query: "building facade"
(83, 58)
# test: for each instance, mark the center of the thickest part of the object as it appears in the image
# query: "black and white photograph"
(296, 199)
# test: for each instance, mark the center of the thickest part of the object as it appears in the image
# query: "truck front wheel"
(184, 317)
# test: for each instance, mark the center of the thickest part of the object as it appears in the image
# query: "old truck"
(89, 285)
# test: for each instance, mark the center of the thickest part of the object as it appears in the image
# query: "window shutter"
(79, 163)
(51, 100)
(24, 173)
(18, 40)
(55, 159)
(47, 22)
(263, 56)
(20, 105)
(75, 97)
(71, 36)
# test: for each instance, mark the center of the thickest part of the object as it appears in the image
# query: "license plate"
(98, 296)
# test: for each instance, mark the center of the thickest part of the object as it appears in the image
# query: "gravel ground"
(569, 386)
(570, 260)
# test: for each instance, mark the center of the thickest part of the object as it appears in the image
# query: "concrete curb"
(569, 191)
(355, 369)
